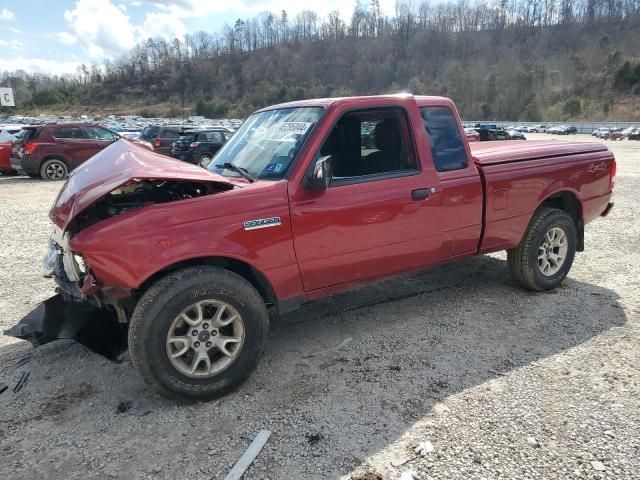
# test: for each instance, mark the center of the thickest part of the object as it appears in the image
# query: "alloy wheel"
(205, 338)
(552, 252)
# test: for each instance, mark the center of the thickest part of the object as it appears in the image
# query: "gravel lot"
(504, 383)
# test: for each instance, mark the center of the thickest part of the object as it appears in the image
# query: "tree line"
(520, 59)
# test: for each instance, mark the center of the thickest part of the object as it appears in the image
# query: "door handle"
(420, 194)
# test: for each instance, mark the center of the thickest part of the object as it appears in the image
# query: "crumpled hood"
(117, 165)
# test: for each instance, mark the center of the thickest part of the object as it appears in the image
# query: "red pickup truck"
(298, 206)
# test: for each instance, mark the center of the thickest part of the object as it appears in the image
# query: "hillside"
(574, 61)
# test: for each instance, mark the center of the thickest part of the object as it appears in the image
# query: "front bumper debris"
(607, 210)
(95, 328)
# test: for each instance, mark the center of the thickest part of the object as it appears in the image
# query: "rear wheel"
(54, 169)
(544, 256)
(198, 333)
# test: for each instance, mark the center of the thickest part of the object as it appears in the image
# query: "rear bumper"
(16, 163)
(26, 165)
(607, 209)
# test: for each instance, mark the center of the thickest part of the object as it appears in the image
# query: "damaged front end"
(54, 319)
(84, 309)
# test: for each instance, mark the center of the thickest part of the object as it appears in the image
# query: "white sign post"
(6, 97)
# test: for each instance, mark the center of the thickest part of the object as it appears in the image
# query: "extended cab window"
(447, 147)
(68, 132)
(369, 143)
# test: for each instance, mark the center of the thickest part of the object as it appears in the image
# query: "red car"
(616, 134)
(52, 151)
(5, 153)
(5, 156)
(295, 208)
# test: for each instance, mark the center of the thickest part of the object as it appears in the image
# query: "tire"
(524, 262)
(54, 169)
(160, 308)
(205, 160)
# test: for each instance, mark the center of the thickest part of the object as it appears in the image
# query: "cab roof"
(362, 101)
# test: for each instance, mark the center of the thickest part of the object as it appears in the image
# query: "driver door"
(377, 217)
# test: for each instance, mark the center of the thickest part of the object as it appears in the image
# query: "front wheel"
(544, 256)
(198, 333)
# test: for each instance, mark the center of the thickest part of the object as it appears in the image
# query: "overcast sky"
(55, 36)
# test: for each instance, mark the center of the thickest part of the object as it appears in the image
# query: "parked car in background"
(161, 136)
(634, 134)
(130, 134)
(51, 151)
(491, 131)
(617, 134)
(6, 140)
(471, 135)
(603, 132)
(11, 129)
(515, 135)
(562, 130)
(199, 146)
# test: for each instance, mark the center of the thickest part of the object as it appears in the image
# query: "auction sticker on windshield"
(299, 128)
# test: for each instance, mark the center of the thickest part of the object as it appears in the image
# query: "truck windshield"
(266, 144)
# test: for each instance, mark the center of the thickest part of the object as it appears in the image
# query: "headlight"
(80, 263)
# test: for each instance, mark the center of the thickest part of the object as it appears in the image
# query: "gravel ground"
(492, 380)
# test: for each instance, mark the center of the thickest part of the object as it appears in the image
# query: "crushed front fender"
(95, 328)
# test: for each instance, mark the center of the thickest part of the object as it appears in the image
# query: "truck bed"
(519, 175)
(492, 153)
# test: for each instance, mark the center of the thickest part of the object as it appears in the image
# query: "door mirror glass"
(320, 177)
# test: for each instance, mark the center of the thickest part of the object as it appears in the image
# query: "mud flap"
(95, 328)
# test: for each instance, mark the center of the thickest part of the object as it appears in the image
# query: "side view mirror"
(320, 177)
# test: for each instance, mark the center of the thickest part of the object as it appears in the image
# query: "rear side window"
(68, 132)
(213, 137)
(447, 147)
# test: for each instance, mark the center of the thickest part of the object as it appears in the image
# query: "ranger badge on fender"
(262, 223)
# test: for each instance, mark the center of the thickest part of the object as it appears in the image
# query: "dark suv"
(52, 151)
(199, 146)
(161, 136)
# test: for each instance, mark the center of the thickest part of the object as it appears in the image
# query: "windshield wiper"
(237, 169)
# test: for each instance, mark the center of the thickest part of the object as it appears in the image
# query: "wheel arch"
(247, 271)
(568, 201)
(53, 156)
(49, 158)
